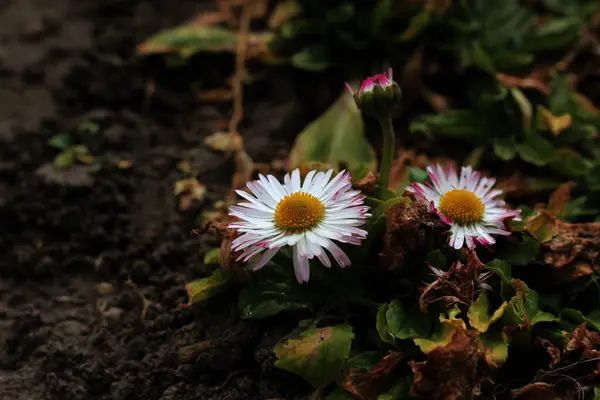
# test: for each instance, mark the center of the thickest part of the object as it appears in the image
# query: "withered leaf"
(453, 372)
(552, 350)
(542, 226)
(573, 242)
(407, 226)
(368, 384)
(559, 199)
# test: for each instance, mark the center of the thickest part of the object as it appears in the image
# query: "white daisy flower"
(308, 216)
(467, 204)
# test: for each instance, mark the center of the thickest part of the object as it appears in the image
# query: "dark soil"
(82, 250)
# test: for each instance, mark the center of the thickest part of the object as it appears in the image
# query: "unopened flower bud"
(377, 96)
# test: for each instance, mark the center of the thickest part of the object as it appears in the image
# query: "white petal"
(265, 258)
(296, 180)
(338, 254)
(259, 204)
(308, 181)
(301, 266)
(262, 193)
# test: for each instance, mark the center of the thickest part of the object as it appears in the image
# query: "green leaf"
(318, 355)
(555, 34)
(542, 316)
(417, 174)
(522, 253)
(477, 55)
(459, 124)
(593, 178)
(570, 163)
(265, 299)
(208, 287)
(479, 313)
(504, 271)
(442, 336)
(64, 159)
(404, 324)
(339, 394)
(536, 155)
(400, 390)
(61, 142)
(382, 325)
(212, 256)
(337, 136)
(505, 148)
(312, 59)
(187, 40)
(416, 25)
(542, 226)
(592, 319)
(525, 307)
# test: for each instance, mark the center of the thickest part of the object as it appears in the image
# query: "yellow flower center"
(298, 212)
(462, 206)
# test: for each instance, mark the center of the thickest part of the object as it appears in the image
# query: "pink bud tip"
(349, 88)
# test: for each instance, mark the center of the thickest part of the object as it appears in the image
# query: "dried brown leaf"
(367, 184)
(551, 349)
(536, 391)
(407, 226)
(456, 286)
(584, 340)
(368, 384)
(452, 372)
(538, 79)
(573, 242)
(559, 199)
(189, 190)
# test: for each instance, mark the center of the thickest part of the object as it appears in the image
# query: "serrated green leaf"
(265, 299)
(336, 137)
(318, 355)
(208, 287)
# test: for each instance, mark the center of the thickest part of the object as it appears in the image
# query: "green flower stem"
(387, 154)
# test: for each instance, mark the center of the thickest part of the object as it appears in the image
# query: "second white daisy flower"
(467, 203)
(308, 216)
